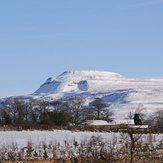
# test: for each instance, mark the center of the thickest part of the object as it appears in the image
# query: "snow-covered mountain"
(124, 94)
(76, 82)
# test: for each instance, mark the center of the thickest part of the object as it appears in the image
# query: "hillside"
(124, 94)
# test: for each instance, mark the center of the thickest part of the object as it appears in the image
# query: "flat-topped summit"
(90, 73)
(73, 81)
(96, 82)
(69, 75)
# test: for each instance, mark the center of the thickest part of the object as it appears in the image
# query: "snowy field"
(64, 144)
(21, 139)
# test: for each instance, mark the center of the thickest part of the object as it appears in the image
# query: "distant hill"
(123, 94)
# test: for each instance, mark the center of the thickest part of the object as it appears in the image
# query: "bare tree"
(100, 110)
(5, 116)
(17, 110)
(158, 120)
(136, 110)
(130, 139)
(77, 105)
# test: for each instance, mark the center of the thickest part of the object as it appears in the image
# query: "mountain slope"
(115, 86)
(76, 81)
(124, 94)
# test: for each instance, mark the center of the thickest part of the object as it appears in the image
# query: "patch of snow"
(139, 126)
(123, 121)
(96, 122)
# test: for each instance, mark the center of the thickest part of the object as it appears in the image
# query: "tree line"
(54, 113)
(74, 112)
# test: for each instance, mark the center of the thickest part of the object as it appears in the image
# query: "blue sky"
(40, 38)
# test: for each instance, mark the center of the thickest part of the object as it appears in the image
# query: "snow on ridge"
(74, 81)
(96, 81)
(90, 73)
